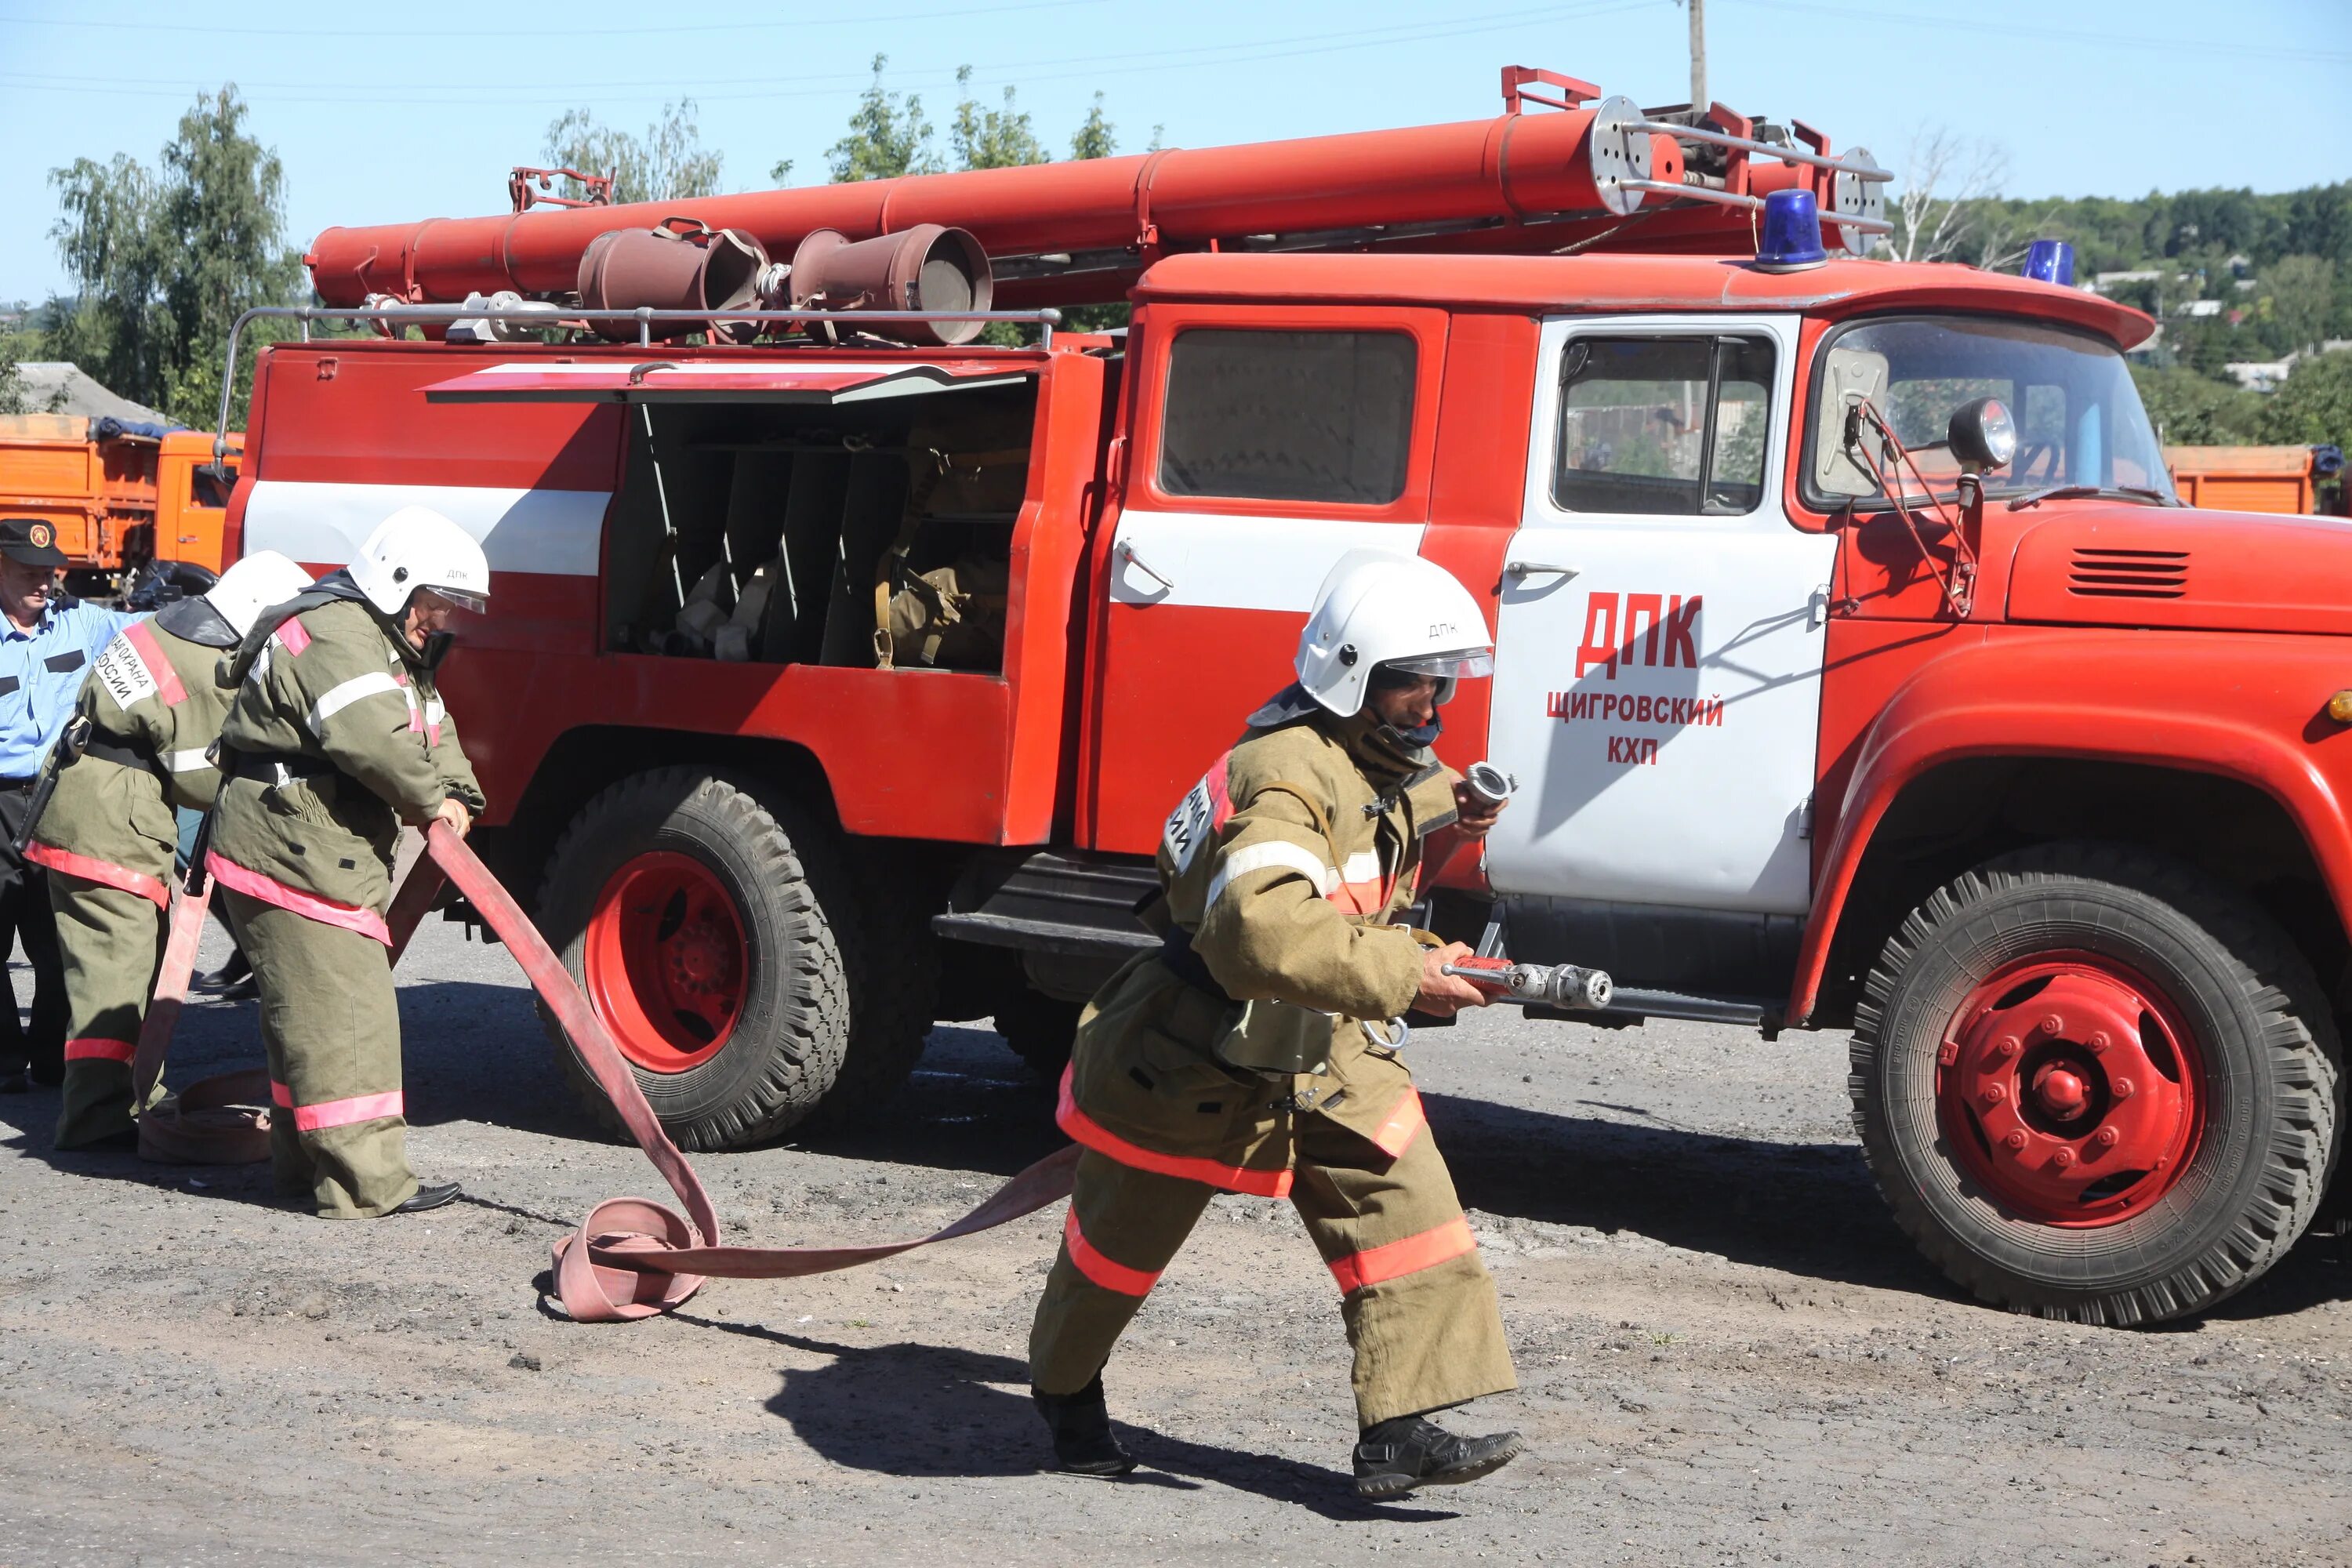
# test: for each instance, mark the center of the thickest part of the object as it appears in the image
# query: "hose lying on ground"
(632, 1257)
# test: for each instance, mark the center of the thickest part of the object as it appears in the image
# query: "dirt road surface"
(1726, 1352)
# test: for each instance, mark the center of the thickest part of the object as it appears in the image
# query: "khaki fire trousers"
(331, 1023)
(112, 943)
(1419, 1305)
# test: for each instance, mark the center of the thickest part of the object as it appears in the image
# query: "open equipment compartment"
(828, 511)
(781, 533)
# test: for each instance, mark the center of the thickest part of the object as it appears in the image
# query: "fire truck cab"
(1822, 717)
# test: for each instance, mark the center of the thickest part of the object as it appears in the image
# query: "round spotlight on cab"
(1981, 434)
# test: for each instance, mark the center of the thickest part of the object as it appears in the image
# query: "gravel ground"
(1727, 1351)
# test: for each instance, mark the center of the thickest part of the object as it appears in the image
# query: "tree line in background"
(163, 258)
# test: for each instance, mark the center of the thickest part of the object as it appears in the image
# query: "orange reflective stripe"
(1085, 1131)
(1396, 1134)
(89, 1049)
(105, 873)
(140, 636)
(1102, 1271)
(344, 1112)
(1411, 1255)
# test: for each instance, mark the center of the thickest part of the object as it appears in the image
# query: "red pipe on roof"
(1500, 172)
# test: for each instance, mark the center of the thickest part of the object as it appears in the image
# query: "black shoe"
(245, 990)
(429, 1197)
(237, 971)
(49, 1075)
(1397, 1456)
(16, 1081)
(1083, 1443)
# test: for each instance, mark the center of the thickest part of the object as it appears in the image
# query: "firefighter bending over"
(1281, 872)
(337, 736)
(141, 748)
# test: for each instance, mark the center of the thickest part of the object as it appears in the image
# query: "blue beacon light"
(2051, 261)
(1792, 234)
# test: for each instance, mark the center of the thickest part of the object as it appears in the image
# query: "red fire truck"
(1856, 663)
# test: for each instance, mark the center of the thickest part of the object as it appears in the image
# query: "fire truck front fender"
(2249, 709)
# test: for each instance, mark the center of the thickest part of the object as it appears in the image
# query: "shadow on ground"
(921, 1411)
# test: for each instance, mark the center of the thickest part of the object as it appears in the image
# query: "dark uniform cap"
(30, 541)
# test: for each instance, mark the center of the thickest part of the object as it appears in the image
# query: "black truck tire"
(894, 991)
(2021, 976)
(699, 915)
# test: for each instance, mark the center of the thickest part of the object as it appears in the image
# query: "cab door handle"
(1126, 553)
(1520, 571)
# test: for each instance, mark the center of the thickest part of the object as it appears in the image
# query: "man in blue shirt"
(46, 644)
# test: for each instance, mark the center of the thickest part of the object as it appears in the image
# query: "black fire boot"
(1083, 1442)
(1398, 1455)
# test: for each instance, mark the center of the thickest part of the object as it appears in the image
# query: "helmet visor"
(1465, 663)
(462, 598)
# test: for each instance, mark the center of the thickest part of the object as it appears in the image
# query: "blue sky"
(387, 120)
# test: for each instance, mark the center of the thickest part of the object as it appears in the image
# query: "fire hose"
(631, 1258)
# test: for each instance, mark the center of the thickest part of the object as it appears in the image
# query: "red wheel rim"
(666, 961)
(2071, 1089)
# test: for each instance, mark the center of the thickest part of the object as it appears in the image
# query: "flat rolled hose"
(219, 1121)
(633, 1257)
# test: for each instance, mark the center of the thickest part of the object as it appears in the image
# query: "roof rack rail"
(540, 314)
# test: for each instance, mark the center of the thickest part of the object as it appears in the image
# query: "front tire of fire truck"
(2095, 1084)
(696, 914)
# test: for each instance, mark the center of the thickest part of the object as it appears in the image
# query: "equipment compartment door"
(1658, 656)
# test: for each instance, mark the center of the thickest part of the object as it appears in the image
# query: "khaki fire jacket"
(347, 709)
(1283, 870)
(153, 712)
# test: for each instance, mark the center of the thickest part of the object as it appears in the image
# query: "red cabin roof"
(1559, 284)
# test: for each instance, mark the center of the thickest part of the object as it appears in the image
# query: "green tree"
(2300, 292)
(2314, 406)
(2192, 410)
(11, 381)
(163, 261)
(1096, 136)
(666, 163)
(992, 138)
(887, 136)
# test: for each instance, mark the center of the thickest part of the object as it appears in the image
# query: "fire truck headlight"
(2339, 708)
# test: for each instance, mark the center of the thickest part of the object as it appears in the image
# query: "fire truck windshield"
(2079, 419)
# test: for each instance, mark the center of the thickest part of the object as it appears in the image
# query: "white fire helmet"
(414, 548)
(250, 586)
(1399, 612)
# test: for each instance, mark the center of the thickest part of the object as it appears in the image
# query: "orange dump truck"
(118, 494)
(2258, 479)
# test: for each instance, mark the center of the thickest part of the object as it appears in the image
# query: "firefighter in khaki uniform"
(1254, 1052)
(145, 726)
(337, 737)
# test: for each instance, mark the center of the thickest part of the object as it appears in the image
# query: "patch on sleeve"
(124, 674)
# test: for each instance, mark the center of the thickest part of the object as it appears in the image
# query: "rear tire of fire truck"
(696, 914)
(2096, 1085)
(1040, 1029)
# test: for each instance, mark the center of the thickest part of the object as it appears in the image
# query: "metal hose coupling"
(1561, 985)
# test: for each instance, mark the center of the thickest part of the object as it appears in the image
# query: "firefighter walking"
(1255, 1052)
(337, 736)
(137, 749)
